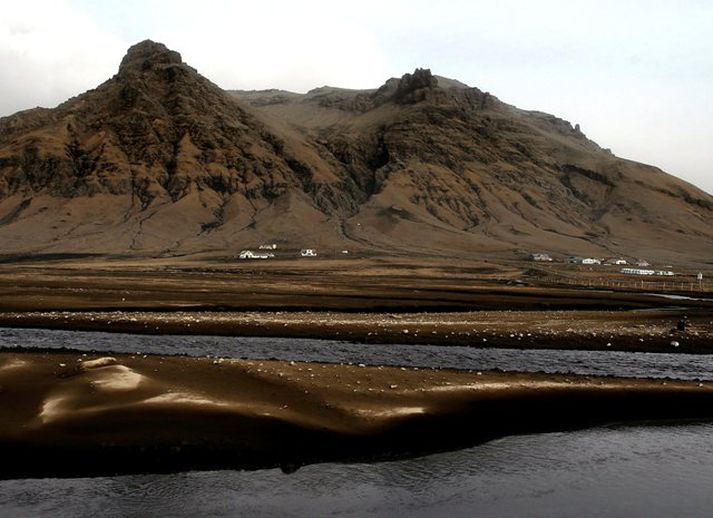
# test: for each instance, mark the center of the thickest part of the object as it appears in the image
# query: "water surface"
(625, 471)
(646, 471)
(613, 363)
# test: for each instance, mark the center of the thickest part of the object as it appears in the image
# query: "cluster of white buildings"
(266, 252)
(612, 261)
(642, 271)
(639, 267)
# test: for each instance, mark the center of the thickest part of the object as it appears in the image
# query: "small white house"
(271, 246)
(642, 263)
(249, 254)
(308, 252)
(541, 257)
(617, 262)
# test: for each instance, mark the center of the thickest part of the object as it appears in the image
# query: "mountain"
(158, 160)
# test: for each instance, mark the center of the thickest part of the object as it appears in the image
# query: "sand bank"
(645, 331)
(71, 414)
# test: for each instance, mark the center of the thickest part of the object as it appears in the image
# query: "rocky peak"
(154, 80)
(148, 55)
(411, 88)
(421, 78)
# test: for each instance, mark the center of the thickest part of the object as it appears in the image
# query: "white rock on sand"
(98, 363)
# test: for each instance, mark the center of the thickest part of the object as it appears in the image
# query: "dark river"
(664, 470)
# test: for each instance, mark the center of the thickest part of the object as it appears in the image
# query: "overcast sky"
(636, 75)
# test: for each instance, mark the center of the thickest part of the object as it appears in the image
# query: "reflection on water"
(624, 471)
(613, 363)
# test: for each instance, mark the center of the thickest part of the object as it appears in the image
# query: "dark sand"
(380, 300)
(355, 285)
(68, 414)
(646, 331)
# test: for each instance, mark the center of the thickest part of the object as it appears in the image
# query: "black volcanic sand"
(71, 414)
(376, 300)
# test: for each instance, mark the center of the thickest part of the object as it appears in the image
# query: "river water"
(657, 470)
(604, 363)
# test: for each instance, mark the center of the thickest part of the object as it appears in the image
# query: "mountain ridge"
(158, 160)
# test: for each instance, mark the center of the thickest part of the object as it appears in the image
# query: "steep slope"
(158, 160)
(483, 175)
(155, 156)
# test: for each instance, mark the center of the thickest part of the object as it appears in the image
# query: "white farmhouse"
(308, 252)
(249, 254)
(541, 257)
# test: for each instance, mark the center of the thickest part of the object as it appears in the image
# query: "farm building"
(249, 254)
(541, 257)
(583, 260)
(637, 271)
